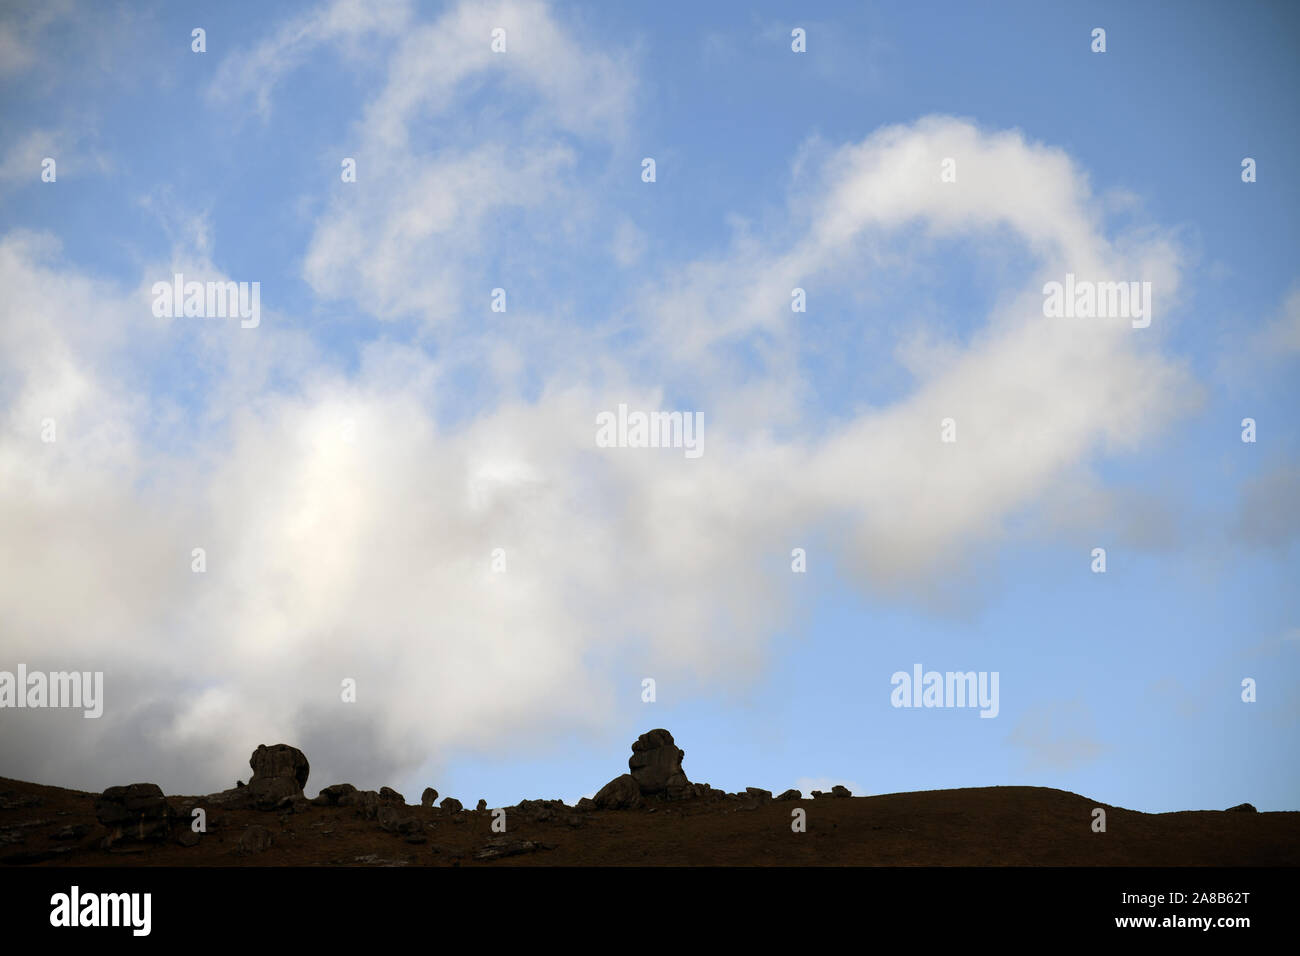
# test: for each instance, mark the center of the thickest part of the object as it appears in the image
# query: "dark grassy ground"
(987, 826)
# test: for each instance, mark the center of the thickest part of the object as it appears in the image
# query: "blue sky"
(350, 464)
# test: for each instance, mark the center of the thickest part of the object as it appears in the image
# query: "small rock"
(254, 839)
(482, 805)
(508, 846)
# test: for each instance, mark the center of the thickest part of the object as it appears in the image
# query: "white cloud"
(347, 24)
(370, 558)
(414, 236)
(21, 31)
(21, 162)
(1057, 736)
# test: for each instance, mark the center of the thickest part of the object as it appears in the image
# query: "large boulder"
(364, 803)
(279, 771)
(335, 795)
(429, 797)
(621, 793)
(656, 765)
(138, 812)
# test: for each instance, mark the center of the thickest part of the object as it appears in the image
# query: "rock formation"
(656, 773)
(656, 764)
(279, 771)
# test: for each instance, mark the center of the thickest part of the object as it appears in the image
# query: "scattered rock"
(429, 798)
(298, 804)
(1242, 808)
(236, 798)
(839, 791)
(548, 811)
(255, 839)
(756, 793)
(503, 846)
(389, 795)
(334, 794)
(790, 794)
(452, 805)
(9, 800)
